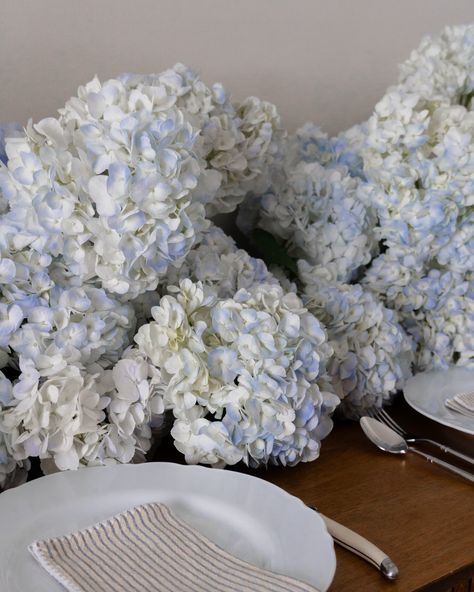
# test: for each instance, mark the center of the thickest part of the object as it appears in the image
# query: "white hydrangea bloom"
(78, 417)
(308, 145)
(117, 184)
(216, 261)
(24, 276)
(245, 376)
(372, 353)
(12, 472)
(76, 325)
(107, 185)
(441, 69)
(322, 217)
(239, 142)
(311, 144)
(45, 414)
(442, 321)
(134, 390)
(436, 307)
(419, 162)
(420, 167)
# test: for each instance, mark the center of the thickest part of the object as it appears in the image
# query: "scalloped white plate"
(248, 517)
(427, 393)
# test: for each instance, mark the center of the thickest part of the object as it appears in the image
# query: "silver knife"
(350, 540)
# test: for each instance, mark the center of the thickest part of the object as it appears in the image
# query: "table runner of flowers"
(122, 300)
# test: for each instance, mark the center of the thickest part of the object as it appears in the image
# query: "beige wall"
(326, 61)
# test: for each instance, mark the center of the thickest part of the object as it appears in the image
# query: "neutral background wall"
(322, 60)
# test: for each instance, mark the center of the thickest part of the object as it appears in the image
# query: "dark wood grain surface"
(420, 515)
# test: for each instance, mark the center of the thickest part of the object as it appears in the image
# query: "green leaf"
(272, 252)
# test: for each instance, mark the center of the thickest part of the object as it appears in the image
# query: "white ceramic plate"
(428, 391)
(248, 517)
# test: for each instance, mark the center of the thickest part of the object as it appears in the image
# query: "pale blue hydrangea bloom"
(436, 307)
(217, 261)
(245, 376)
(310, 144)
(372, 353)
(441, 69)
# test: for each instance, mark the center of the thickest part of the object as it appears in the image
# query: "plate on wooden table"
(254, 520)
(427, 393)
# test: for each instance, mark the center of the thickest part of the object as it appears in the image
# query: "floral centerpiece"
(122, 300)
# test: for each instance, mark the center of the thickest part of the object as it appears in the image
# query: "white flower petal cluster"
(116, 185)
(311, 144)
(419, 164)
(81, 417)
(322, 217)
(246, 165)
(107, 185)
(245, 376)
(216, 261)
(59, 338)
(372, 353)
(238, 143)
(75, 326)
(308, 145)
(420, 167)
(12, 472)
(441, 69)
(436, 307)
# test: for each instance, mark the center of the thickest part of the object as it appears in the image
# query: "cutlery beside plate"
(389, 441)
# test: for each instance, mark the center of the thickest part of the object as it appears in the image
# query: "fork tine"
(396, 426)
(383, 417)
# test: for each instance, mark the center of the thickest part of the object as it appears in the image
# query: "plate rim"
(414, 405)
(223, 473)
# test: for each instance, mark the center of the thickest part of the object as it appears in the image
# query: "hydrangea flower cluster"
(121, 300)
(245, 376)
(317, 206)
(117, 184)
(372, 353)
(216, 261)
(61, 343)
(412, 164)
(311, 144)
(419, 164)
(324, 217)
(441, 69)
(101, 209)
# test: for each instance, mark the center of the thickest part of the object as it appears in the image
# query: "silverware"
(347, 538)
(390, 441)
(385, 418)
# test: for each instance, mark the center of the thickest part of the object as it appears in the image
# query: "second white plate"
(248, 517)
(427, 393)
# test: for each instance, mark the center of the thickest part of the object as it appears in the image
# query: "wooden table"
(420, 515)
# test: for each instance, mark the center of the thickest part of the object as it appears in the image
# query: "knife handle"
(356, 543)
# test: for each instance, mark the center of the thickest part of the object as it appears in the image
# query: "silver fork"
(385, 418)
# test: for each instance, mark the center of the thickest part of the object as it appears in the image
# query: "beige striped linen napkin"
(149, 549)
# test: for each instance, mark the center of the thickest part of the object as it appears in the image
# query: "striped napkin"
(149, 549)
(462, 403)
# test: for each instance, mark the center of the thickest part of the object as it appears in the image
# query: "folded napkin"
(463, 403)
(149, 549)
